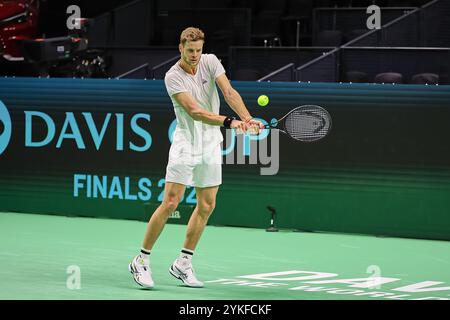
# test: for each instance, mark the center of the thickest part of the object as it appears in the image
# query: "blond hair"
(191, 34)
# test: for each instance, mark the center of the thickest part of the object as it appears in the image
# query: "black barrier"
(322, 69)
(286, 73)
(265, 60)
(427, 26)
(129, 25)
(124, 59)
(436, 24)
(401, 32)
(159, 71)
(349, 20)
(406, 61)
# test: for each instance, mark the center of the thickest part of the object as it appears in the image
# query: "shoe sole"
(172, 272)
(130, 268)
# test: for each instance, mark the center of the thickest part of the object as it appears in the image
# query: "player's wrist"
(227, 122)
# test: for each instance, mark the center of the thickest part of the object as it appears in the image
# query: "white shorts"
(201, 171)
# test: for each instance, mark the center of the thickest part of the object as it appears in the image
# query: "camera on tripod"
(66, 56)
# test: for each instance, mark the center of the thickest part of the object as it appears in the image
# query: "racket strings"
(308, 123)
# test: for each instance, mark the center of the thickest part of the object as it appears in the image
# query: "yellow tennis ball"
(263, 100)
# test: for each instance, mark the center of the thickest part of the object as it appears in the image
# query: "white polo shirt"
(196, 137)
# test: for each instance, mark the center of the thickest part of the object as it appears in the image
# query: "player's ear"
(180, 47)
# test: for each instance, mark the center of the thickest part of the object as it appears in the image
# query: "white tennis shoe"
(142, 274)
(186, 274)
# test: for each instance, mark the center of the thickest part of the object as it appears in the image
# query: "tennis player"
(195, 157)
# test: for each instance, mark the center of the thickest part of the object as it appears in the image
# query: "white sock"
(185, 258)
(145, 254)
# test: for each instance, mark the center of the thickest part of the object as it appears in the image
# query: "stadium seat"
(389, 77)
(425, 78)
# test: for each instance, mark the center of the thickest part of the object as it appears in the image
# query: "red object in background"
(18, 21)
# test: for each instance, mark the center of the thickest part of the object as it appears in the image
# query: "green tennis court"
(55, 257)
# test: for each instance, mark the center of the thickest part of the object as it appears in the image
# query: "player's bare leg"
(182, 267)
(140, 265)
(206, 202)
(173, 192)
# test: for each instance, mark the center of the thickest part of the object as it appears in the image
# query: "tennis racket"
(306, 123)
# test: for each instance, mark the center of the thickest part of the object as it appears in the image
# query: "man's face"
(191, 52)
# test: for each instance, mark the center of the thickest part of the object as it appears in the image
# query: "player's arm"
(187, 101)
(233, 98)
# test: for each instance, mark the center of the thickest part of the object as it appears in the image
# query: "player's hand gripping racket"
(305, 123)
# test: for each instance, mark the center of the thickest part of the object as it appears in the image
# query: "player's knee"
(171, 206)
(171, 203)
(206, 207)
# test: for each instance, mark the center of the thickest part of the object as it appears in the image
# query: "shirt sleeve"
(174, 84)
(215, 66)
